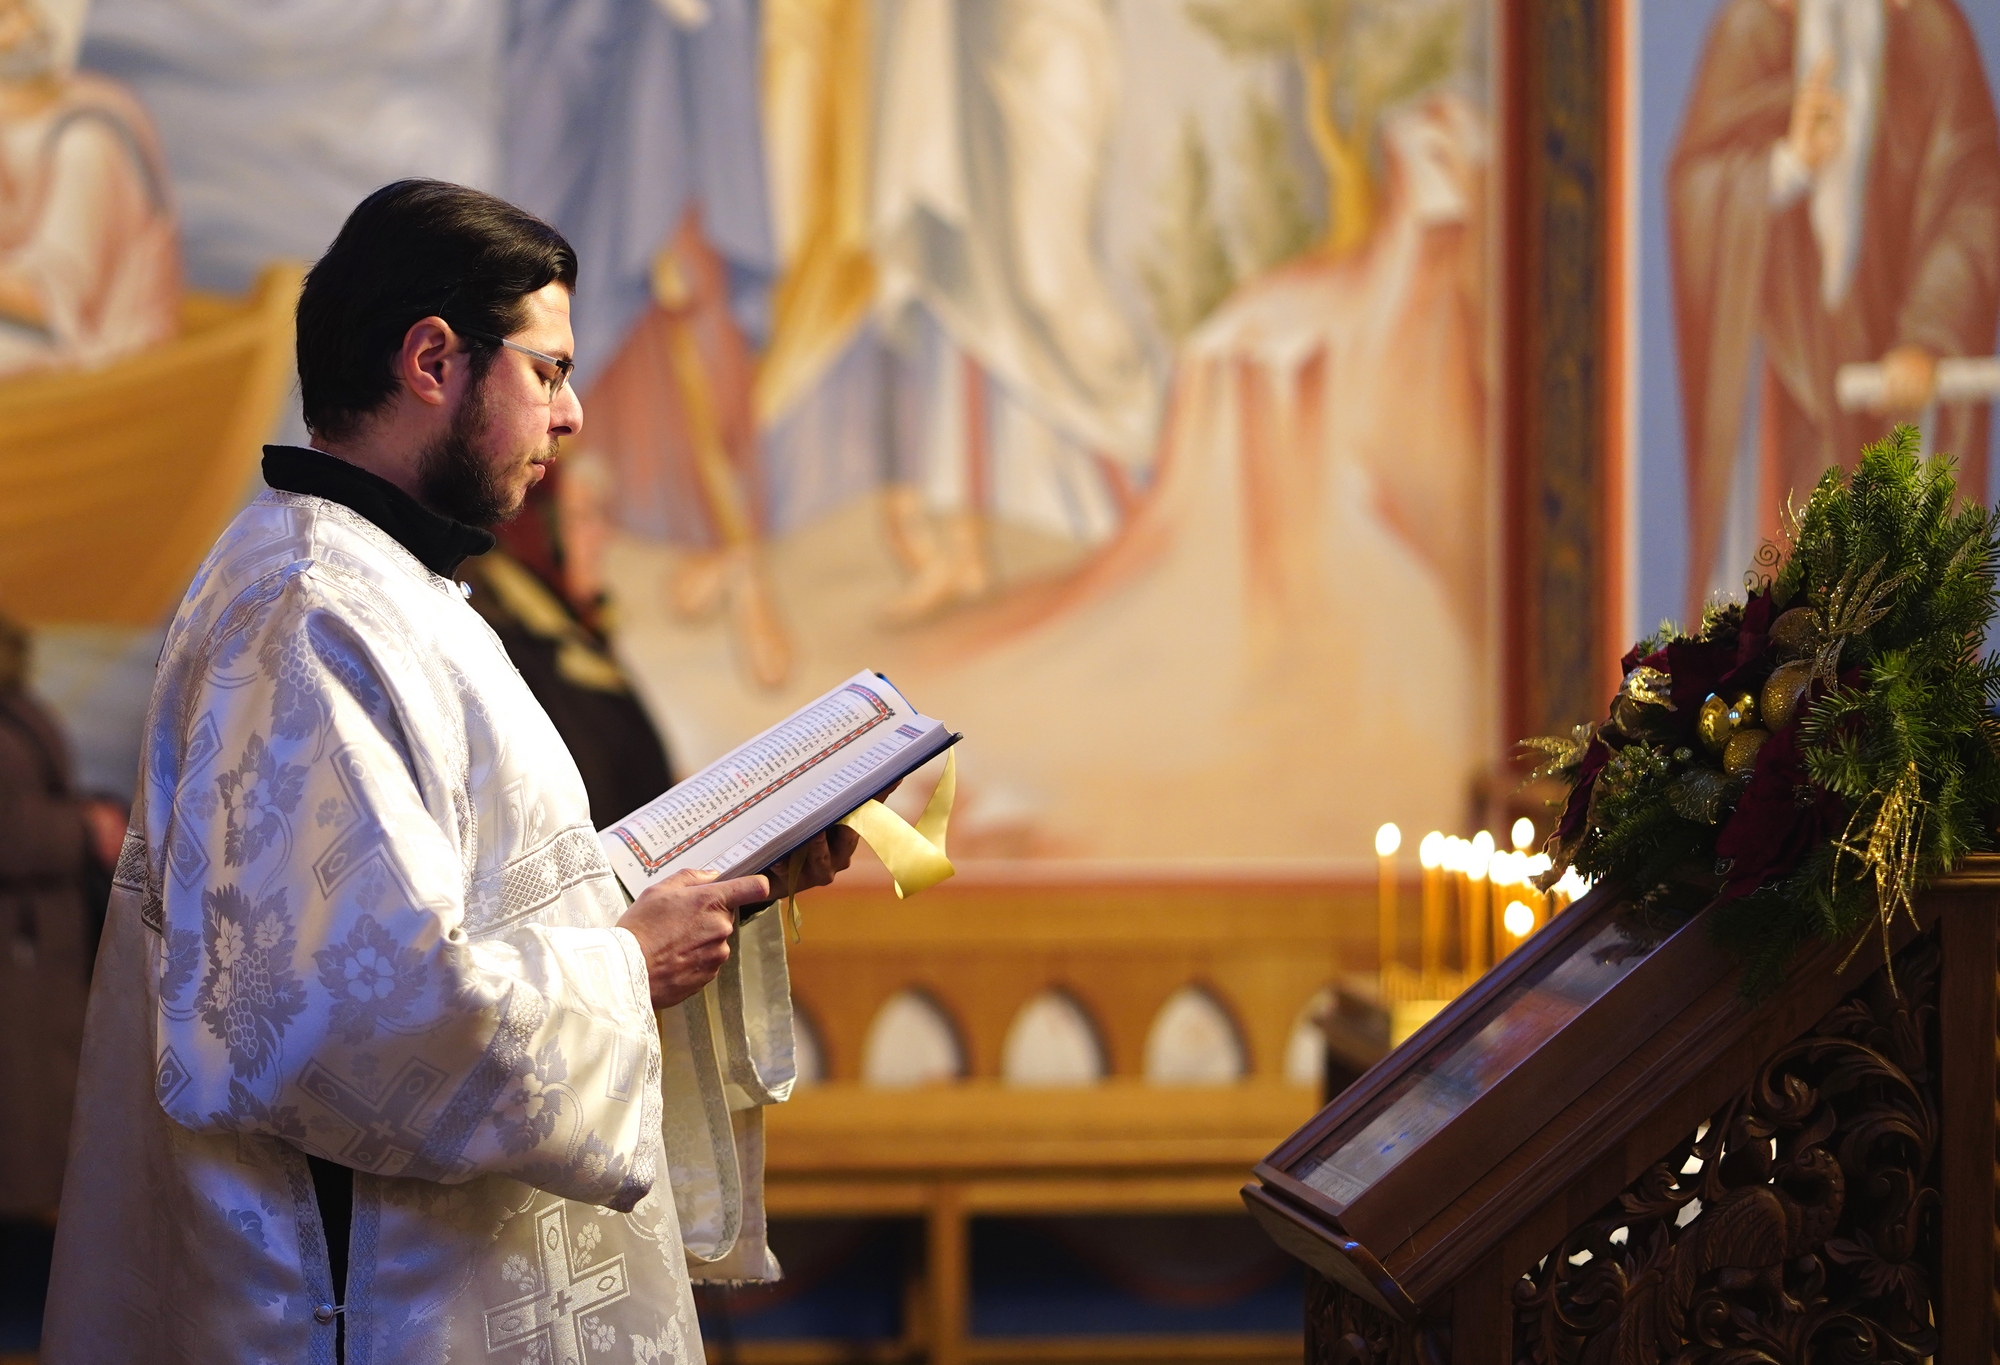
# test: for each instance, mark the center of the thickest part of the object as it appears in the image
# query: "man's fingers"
(819, 869)
(740, 891)
(687, 876)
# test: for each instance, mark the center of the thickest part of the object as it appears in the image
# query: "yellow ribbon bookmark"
(914, 856)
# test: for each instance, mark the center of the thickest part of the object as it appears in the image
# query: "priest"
(379, 1065)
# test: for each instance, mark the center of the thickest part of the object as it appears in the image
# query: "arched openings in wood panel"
(911, 1041)
(1305, 1046)
(1052, 1041)
(1195, 1041)
(808, 1052)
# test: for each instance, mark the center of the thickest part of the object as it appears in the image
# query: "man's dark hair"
(412, 250)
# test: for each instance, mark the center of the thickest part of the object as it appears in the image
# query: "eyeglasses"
(562, 367)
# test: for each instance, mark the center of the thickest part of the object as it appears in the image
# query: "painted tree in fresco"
(1356, 58)
(1190, 272)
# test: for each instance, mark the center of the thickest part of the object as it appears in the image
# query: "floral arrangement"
(1806, 758)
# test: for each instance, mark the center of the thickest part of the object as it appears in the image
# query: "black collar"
(438, 541)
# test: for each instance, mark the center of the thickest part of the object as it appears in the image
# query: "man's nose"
(566, 413)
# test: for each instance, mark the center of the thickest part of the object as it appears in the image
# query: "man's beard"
(455, 480)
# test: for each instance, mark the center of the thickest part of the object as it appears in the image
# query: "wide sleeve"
(317, 982)
(1954, 288)
(1719, 186)
(728, 1055)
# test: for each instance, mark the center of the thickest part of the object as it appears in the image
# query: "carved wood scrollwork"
(1797, 1224)
(1344, 1329)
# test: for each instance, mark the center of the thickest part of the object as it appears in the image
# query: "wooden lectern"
(1603, 1152)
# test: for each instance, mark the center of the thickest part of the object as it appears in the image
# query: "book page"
(728, 817)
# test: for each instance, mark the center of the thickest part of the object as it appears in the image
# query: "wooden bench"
(981, 949)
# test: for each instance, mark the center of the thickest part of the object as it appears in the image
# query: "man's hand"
(683, 926)
(1818, 112)
(818, 861)
(814, 863)
(1909, 378)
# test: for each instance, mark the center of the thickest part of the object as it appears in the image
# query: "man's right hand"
(683, 926)
(1818, 112)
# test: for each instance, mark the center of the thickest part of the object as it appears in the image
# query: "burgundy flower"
(1753, 635)
(1632, 659)
(1577, 809)
(1782, 816)
(1737, 663)
(1696, 668)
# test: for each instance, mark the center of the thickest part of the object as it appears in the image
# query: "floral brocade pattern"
(258, 794)
(250, 993)
(532, 1101)
(372, 979)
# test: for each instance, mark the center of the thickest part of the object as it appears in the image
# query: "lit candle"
(1569, 889)
(1523, 834)
(1503, 888)
(1452, 861)
(1478, 859)
(1387, 840)
(1519, 922)
(1430, 855)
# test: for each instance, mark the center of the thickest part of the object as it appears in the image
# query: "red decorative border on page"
(652, 865)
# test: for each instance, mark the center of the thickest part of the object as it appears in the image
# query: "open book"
(757, 803)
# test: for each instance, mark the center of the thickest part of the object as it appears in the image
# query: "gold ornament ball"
(1783, 691)
(1713, 723)
(1793, 632)
(1742, 712)
(1741, 751)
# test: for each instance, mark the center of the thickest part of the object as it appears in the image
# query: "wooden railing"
(980, 1147)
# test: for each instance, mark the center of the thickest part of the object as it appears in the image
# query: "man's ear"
(426, 362)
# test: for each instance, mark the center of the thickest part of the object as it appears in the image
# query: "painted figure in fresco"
(992, 141)
(633, 126)
(89, 269)
(1834, 198)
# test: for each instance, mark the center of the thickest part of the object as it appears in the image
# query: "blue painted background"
(1671, 33)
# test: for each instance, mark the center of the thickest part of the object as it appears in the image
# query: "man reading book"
(372, 1063)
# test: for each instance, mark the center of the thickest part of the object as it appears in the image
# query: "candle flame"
(1387, 840)
(1573, 884)
(1430, 851)
(1523, 834)
(1519, 919)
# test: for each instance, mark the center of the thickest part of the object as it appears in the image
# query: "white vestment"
(362, 913)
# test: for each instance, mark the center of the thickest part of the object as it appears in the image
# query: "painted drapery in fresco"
(1132, 354)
